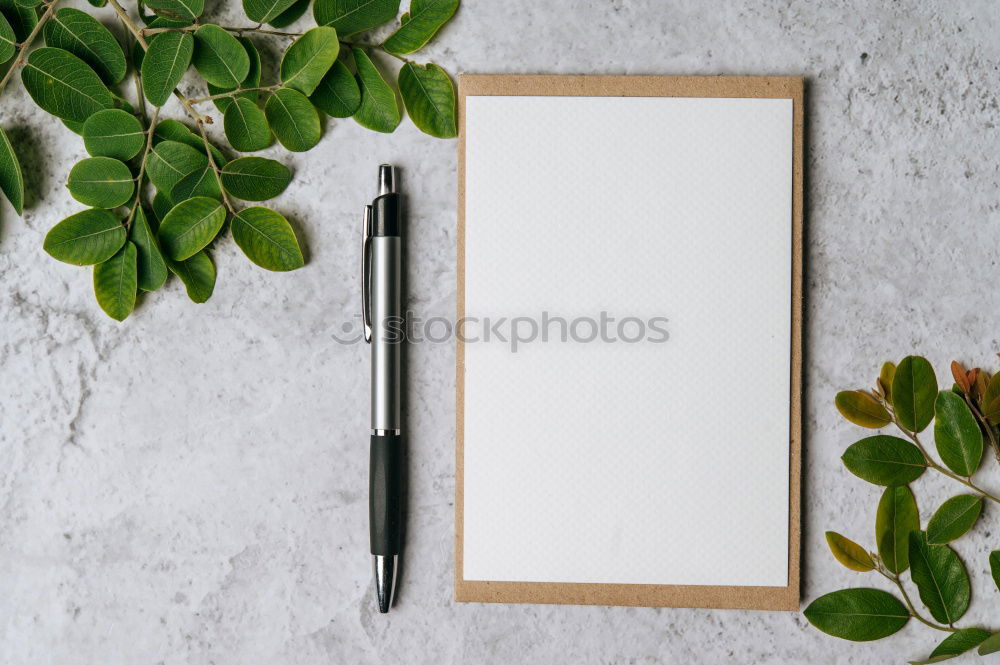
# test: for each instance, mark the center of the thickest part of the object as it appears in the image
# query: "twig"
(233, 93)
(27, 44)
(241, 31)
(909, 604)
(377, 47)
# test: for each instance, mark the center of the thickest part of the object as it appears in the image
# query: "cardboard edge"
(782, 598)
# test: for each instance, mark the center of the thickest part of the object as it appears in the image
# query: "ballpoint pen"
(381, 276)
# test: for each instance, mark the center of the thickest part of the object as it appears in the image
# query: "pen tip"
(386, 179)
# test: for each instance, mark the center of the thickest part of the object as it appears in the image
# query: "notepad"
(629, 303)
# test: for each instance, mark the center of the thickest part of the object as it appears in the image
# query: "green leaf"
(417, 27)
(255, 178)
(7, 40)
(199, 183)
(113, 133)
(151, 268)
(860, 615)
(170, 161)
(955, 645)
(11, 178)
(198, 275)
(115, 283)
(992, 390)
(954, 518)
(885, 460)
(378, 110)
(182, 10)
(957, 435)
(22, 19)
(190, 226)
(897, 516)
(290, 15)
(86, 238)
(351, 16)
(991, 645)
(264, 11)
(161, 206)
(914, 388)
(28, 3)
(940, 577)
(172, 130)
(219, 57)
(267, 239)
(63, 85)
(252, 80)
(167, 59)
(849, 553)
(309, 58)
(995, 567)
(85, 37)
(862, 409)
(293, 119)
(101, 182)
(885, 379)
(338, 94)
(429, 97)
(246, 126)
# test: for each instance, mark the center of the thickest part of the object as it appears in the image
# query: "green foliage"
(267, 239)
(63, 85)
(309, 58)
(351, 16)
(954, 518)
(940, 577)
(914, 388)
(862, 409)
(11, 178)
(190, 226)
(167, 59)
(293, 119)
(429, 98)
(885, 460)
(849, 553)
(896, 517)
(957, 435)
(955, 645)
(86, 238)
(142, 159)
(991, 645)
(85, 37)
(255, 178)
(113, 133)
(115, 283)
(246, 126)
(859, 615)
(418, 25)
(378, 110)
(219, 57)
(101, 182)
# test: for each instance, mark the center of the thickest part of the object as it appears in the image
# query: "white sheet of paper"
(649, 462)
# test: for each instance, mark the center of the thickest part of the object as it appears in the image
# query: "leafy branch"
(143, 160)
(964, 418)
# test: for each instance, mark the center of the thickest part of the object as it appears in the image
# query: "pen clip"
(366, 274)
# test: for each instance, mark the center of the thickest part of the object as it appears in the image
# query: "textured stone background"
(189, 487)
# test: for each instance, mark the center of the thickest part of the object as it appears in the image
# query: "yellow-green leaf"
(849, 553)
(862, 409)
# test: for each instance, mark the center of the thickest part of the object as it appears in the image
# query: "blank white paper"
(645, 463)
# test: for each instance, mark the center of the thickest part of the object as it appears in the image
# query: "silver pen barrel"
(387, 332)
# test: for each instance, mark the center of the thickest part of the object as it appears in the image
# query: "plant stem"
(377, 47)
(233, 93)
(150, 130)
(241, 31)
(27, 44)
(909, 604)
(986, 426)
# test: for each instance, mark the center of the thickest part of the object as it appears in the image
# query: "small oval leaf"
(849, 553)
(293, 119)
(429, 98)
(113, 133)
(267, 239)
(897, 516)
(940, 577)
(251, 81)
(8, 42)
(178, 10)
(378, 110)
(199, 183)
(860, 615)
(885, 380)
(885, 460)
(63, 85)
(11, 178)
(862, 409)
(101, 182)
(85, 37)
(86, 238)
(255, 178)
(309, 58)
(219, 57)
(351, 16)
(954, 518)
(264, 11)
(338, 94)
(115, 283)
(190, 226)
(957, 435)
(246, 126)
(955, 645)
(198, 275)
(151, 269)
(164, 64)
(418, 25)
(170, 161)
(914, 389)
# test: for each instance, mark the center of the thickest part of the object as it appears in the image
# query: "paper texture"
(655, 462)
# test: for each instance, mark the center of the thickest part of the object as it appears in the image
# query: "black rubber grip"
(384, 493)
